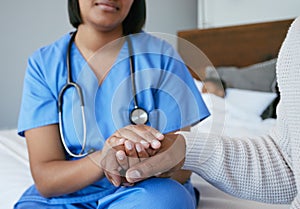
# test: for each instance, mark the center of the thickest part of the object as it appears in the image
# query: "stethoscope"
(137, 115)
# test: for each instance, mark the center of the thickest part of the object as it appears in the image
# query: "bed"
(231, 49)
(245, 58)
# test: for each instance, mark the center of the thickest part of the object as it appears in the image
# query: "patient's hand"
(134, 145)
(165, 163)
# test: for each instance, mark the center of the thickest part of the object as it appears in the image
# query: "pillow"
(253, 102)
(257, 77)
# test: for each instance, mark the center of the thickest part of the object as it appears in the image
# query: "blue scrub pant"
(155, 193)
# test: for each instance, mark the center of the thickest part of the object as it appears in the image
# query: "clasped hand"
(133, 144)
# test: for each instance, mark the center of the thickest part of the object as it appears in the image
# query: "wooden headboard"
(235, 45)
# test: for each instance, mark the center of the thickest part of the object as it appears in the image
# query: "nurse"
(100, 63)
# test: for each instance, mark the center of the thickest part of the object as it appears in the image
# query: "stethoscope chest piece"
(138, 116)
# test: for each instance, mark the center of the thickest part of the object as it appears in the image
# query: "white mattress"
(15, 173)
(15, 178)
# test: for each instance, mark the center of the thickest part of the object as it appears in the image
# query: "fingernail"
(128, 145)
(114, 183)
(121, 141)
(159, 136)
(138, 148)
(145, 143)
(120, 155)
(155, 144)
(111, 180)
(135, 174)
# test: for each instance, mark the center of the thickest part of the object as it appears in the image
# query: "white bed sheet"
(15, 178)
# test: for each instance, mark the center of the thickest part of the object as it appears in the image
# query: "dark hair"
(133, 23)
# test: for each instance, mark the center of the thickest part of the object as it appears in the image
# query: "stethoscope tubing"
(137, 116)
(70, 84)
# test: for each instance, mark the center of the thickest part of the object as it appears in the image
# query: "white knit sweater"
(265, 168)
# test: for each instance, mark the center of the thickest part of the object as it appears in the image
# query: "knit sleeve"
(246, 168)
(263, 168)
(288, 73)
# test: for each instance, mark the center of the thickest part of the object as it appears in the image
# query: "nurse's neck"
(89, 40)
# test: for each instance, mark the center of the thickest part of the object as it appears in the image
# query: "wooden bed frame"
(238, 46)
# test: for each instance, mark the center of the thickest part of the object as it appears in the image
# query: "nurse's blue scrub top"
(165, 89)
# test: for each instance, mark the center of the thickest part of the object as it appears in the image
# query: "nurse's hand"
(169, 159)
(108, 161)
(145, 135)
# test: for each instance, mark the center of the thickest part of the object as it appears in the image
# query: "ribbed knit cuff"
(199, 148)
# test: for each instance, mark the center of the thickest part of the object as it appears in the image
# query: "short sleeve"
(39, 105)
